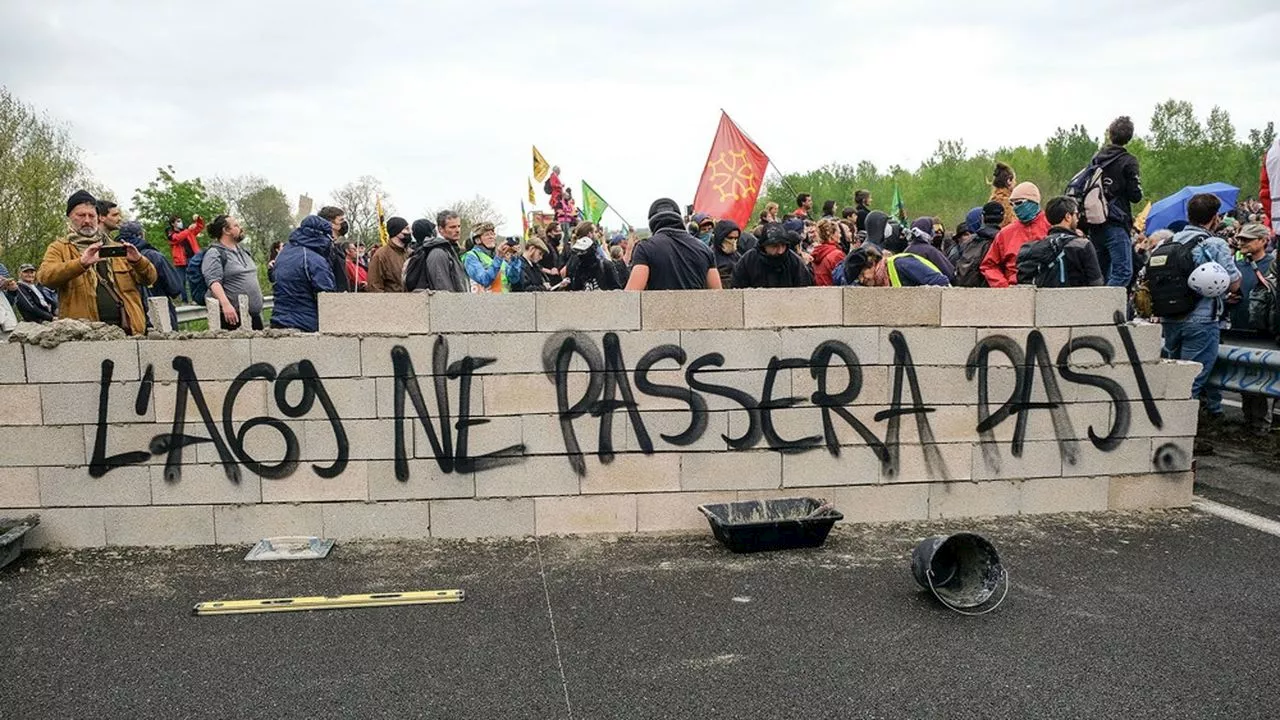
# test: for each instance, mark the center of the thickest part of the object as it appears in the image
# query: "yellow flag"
(1140, 222)
(382, 221)
(532, 199)
(540, 165)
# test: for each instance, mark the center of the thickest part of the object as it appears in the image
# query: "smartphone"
(113, 251)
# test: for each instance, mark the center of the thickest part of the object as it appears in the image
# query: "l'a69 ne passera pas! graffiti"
(612, 389)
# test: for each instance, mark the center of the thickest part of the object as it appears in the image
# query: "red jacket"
(826, 258)
(1000, 266)
(184, 245)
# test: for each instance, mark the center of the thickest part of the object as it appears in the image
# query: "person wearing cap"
(969, 262)
(35, 302)
(89, 286)
(1000, 265)
(706, 227)
(920, 242)
(485, 260)
(772, 264)
(671, 259)
(387, 265)
(523, 273)
(1254, 263)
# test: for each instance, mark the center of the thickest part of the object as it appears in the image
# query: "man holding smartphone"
(96, 280)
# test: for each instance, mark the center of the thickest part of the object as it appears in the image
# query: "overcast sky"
(441, 100)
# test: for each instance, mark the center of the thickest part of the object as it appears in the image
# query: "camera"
(113, 251)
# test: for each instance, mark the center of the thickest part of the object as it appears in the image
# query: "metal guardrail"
(188, 313)
(1247, 370)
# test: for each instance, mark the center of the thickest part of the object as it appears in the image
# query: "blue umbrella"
(1173, 208)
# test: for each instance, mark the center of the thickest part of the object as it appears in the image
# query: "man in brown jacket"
(387, 265)
(92, 287)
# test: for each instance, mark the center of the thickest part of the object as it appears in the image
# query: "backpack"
(546, 186)
(195, 276)
(1042, 263)
(1167, 271)
(415, 275)
(1263, 315)
(969, 264)
(1086, 188)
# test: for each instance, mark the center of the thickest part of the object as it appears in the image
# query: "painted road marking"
(1238, 516)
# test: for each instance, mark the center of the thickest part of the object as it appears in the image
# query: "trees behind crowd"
(1178, 151)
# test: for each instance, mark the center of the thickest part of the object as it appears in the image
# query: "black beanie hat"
(80, 197)
(395, 226)
(992, 213)
(423, 229)
(664, 212)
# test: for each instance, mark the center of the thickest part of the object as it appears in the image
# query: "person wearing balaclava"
(1000, 266)
(876, 228)
(724, 246)
(89, 286)
(772, 264)
(671, 259)
(920, 243)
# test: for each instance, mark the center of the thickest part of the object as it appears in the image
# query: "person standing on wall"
(183, 245)
(1121, 186)
(230, 272)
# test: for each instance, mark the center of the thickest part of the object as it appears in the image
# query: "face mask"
(1027, 211)
(178, 225)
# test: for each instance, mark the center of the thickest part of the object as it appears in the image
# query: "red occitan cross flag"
(733, 176)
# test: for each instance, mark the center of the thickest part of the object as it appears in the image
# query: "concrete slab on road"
(1145, 615)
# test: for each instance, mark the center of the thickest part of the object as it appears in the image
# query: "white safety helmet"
(1210, 280)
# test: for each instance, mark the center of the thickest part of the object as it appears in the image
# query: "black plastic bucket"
(963, 571)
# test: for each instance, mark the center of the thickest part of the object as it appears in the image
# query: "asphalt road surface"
(1145, 615)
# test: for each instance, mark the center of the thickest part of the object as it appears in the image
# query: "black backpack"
(1167, 271)
(1042, 263)
(969, 264)
(415, 273)
(546, 186)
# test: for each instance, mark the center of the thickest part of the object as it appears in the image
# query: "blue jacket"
(302, 270)
(168, 281)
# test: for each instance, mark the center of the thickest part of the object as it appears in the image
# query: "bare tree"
(472, 212)
(233, 190)
(358, 201)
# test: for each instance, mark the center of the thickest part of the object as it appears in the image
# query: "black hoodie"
(1121, 182)
(876, 222)
(725, 262)
(676, 260)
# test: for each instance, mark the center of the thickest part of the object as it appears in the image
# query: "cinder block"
(1132, 457)
(19, 487)
(158, 314)
(970, 307)
(68, 527)
(374, 313)
(1177, 376)
(77, 404)
(21, 404)
(673, 423)
(159, 526)
(879, 503)
(131, 438)
(244, 524)
(262, 443)
(666, 512)
(82, 361)
(353, 399)
(633, 472)
(72, 487)
(426, 481)
(792, 307)
(210, 359)
(948, 385)
(1063, 495)
(306, 486)
(982, 499)
(1039, 459)
(863, 341)
(1179, 418)
(482, 518)
(253, 400)
(1054, 339)
(12, 365)
(691, 309)
(375, 353)
(204, 485)
(915, 465)
(376, 521)
(385, 406)
(516, 352)
(874, 391)
(1147, 339)
(931, 345)
(1146, 492)
(333, 357)
(366, 440)
(1078, 306)
(543, 436)
(581, 515)
(817, 468)
(731, 470)
(591, 311)
(1171, 455)
(483, 313)
(903, 307)
(742, 349)
(538, 475)
(495, 436)
(525, 394)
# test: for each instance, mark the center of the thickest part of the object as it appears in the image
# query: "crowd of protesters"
(103, 269)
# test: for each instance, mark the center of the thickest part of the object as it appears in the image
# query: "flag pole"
(782, 176)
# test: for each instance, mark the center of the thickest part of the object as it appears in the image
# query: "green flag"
(593, 206)
(899, 210)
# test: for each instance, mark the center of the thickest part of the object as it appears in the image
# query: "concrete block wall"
(598, 412)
